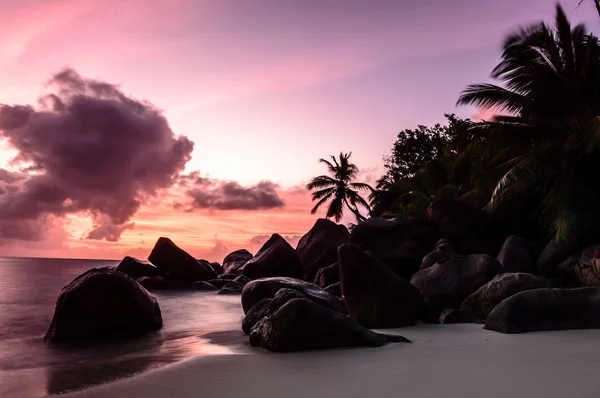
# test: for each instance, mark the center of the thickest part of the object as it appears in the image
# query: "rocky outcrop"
(302, 324)
(516, 255)
(335, 289)
(103, 304)
(376, 297)
(449, 282)
(450, 316)
(443, 250)
(501, 287)
(547, 309)
(236, 260)
(171, 259)
(162, 283)
(327, 275)
(136, 269)
(553, 254)
(401, 244)
(275, 258)
(318, 248)
(259, 289)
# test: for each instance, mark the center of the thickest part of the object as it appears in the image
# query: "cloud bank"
(87, 147)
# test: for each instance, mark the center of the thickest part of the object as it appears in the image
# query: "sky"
(127, 120)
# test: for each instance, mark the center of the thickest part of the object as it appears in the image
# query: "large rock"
(443, 250)
(451, 316)
(236, 260)
(282, 297)
(400, 243)
(547, 309)
(374, 295)
(483, 301)
(259, 289)
(255, 314)
(515, 255)
(328, 275)
(318, 248)
(162, 283)
(449, 282)
(587, 270)
(136, 268)
(169, 258)
(302, 324)
(553, 254)
(103, 303)
(218, 268)
(466, 227)
(275, 258)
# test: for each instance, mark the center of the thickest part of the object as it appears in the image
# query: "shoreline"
(443, 360)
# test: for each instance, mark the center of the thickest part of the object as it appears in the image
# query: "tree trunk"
(354, 210)
(597, 3)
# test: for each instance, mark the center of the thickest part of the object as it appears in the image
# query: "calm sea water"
(30, 368)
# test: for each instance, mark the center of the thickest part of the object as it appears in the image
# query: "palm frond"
(323, 199)
(321, 182)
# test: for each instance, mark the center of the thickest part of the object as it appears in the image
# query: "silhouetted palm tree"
(551, 92)
(550, 84)
(339, 189)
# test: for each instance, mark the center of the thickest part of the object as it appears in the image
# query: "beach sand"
(443, 361)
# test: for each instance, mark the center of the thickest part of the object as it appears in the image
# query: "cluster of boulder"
(450, 266)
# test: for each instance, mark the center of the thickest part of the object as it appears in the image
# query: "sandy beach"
(443, 360)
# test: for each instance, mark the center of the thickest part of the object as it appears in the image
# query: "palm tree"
(550, 85)
(550, 98)
(339, 189)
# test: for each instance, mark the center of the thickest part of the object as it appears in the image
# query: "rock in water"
(255, 314)
(275, 258)
(136, 268)
(318, 248)
(516, 256)
(400, 244)
(169, 258)
(501, 287)
(449, 282)
(103, 303)
(282, 297)
(374, 295)
(302, 324)
(450, 316)
(236, 260)
(161, 283)
(547, 309)
(259, 289)
(587, 269)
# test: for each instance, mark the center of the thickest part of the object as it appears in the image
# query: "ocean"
(29, 367)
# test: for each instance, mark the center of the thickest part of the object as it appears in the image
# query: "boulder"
(327, 275)
(242, 279)
(401, 244)
(282, 297)
(235, 260)
(136, 269)
(259, 289)
(553, 254)
(502, 286)
(443, 249)
(228, 277)
(547, 309)
(275, 258)
(449, 282)
(103, 303)
(231, 288)
(318, 248)
(302, 324)
(587, 269)
(218, 268)
(374, 295)
(567, 269)
(335, 289)
(450, 316)
(466, 227)
(255, 314)
(515, 255)
(169, 258)
(161, 283)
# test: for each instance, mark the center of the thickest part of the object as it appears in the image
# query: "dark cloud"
(207, 193)
(87, 147)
